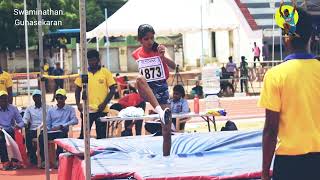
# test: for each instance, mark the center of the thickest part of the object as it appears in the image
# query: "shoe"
(6, 166)
(166, 116)
(16, 165)
(43, 165)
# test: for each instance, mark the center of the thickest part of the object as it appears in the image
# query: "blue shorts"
(292, 29)
(161, 91)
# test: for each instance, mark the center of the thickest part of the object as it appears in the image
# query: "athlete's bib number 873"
(151, 72)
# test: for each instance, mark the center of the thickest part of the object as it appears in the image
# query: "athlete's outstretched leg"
(163, 110)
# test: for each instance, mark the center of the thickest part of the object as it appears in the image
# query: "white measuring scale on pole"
(211, 85)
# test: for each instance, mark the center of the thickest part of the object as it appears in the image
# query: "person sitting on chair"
(197, 90)
(33, 119)
(177, 105)
(9, 117)
(59, 118)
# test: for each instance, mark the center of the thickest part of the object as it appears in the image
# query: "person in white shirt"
(58, 119)
(32, 119)
(231, 67)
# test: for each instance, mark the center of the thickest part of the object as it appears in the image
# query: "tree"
(12, 36)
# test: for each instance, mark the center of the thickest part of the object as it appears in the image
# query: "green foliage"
(12, 36)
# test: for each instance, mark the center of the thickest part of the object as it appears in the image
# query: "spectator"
(101, 89)
(226, 88)
(63, 42)
(290, 95)
(59, 118)
(256, 54)
(131, 98)
(51, 62)
(46, 72)
(224, 78)
(197, 90)
(122, 83)
(33, 119)
(6, 84)
(265, 52)
(244, 74)
(178, 105)
(58, 82)
(10, 117)
(231, 67)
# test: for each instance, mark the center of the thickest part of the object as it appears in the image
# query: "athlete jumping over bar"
(153, 63)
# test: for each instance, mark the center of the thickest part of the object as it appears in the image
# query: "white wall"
(221, 17)
(192, 46)
(222, 46)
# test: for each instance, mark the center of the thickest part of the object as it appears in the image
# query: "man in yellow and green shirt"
(291, 97)
(101, 88)
(6, 84)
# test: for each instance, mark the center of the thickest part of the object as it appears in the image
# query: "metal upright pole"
(27, 50)
(61, 58)
(107, 39)
(201, 21)
(78, 58)
(84, 77)
(273, 24)
(97, 43)
(43, 94)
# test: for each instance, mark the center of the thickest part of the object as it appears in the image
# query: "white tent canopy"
(168, 17)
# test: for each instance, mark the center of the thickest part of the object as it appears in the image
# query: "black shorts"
(300, 167)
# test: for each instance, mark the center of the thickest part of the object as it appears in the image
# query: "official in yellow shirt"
(6, 84)
(291, 97)
(101, 89)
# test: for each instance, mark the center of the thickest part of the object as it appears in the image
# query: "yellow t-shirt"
(293, 89)
(5, 81)
(98, 87)
(46, 69)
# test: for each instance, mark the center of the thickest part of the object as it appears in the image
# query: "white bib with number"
(151, 68)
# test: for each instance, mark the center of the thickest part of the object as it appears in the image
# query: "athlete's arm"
(280, 9)
(269, 140)
(165, 57)
(112, 91)
(294, 7)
